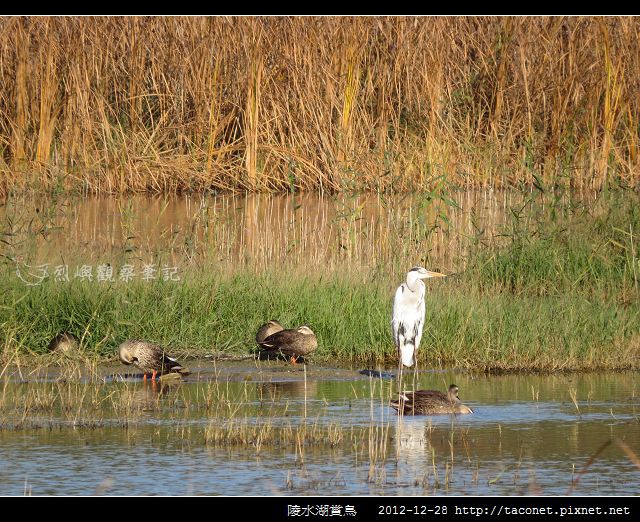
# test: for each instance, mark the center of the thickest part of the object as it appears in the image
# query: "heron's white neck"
(414, 282)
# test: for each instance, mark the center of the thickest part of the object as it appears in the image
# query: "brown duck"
(268, 329)
(150, 358)
(430, 402)
(294, 343)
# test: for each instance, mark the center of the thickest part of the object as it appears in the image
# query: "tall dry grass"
(270, 104)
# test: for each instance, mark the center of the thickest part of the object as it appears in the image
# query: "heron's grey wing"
(397, 325)
(418, 327)
(419, 323)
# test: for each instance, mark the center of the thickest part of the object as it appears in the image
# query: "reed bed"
(212, 413)
(168, 104)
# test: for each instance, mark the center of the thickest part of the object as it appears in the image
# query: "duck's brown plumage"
(268, 329)
(64, 342)
(149, 357)
(430, 402)
(301, 341)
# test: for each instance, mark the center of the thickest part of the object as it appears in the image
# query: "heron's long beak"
(435, 274)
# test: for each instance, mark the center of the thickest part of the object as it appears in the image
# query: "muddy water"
(115, 434)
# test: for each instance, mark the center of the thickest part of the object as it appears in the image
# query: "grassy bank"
(466, 326)
(558, 291)
(274, 104)
(554, 285)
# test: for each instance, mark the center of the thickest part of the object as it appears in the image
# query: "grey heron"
(150, 358)
(408, 315)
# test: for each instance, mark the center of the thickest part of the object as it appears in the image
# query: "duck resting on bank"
(268, 329)
(64, 342)
(293, 343)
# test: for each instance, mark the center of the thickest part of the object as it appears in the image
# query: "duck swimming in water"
(294, 343)
(150, 358)
(430, 402)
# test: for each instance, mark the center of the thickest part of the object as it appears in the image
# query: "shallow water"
(124, 436)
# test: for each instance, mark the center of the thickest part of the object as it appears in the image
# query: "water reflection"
(294, 389)
(258, 230)
(412, 438)
(337, 433)
(148, 397)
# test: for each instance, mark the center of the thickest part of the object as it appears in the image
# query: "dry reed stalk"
(21, 96)
(252, 110)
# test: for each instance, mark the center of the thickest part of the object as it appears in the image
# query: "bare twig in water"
(623, 446)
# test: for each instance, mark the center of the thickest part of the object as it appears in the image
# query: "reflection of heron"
(150, 358)
(408, 315)
(430, 402)
(64, 342)
(412, 438)
(414, 450)
(268, 329)
(294, 343)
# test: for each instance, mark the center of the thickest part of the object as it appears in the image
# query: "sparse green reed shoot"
(434, 468)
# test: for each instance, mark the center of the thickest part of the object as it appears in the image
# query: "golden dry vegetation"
(167, 104)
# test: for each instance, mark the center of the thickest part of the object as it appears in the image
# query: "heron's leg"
(153, 376)
(399, 392)
(144, 377)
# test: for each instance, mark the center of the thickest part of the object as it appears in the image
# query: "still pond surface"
(245, 428)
